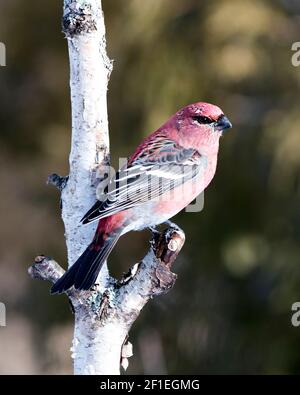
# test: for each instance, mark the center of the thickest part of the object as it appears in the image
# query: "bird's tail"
(84, 272)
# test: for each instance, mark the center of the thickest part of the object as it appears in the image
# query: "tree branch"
(104, 314)
(103, 320)
(90, 68)
(151, 277)
(58, 181)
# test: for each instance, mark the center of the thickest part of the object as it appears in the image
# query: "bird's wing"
(161, 166)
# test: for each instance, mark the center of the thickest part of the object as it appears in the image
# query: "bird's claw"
(172, 225)
(153, 230)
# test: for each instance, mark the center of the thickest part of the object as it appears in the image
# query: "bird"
(167, 171)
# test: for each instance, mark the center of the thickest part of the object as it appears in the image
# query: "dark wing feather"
(159, 168)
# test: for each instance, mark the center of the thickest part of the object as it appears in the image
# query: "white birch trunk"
(105, 314)
(89, 75)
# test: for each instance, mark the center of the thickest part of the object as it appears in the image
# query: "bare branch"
(103, 319)
(58, 181)
(90, 68)
(152, 277)
(104, 314)
(45, 268)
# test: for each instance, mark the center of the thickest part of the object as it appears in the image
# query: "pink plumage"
(165, 173)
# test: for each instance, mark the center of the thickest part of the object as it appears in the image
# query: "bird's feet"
(168, 223)
(153, 230)
(172, 225)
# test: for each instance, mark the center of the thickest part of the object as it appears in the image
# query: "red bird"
(166, 172)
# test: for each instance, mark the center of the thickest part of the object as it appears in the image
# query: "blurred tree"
(239, 273)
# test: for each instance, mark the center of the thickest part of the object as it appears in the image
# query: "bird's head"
(201, 123)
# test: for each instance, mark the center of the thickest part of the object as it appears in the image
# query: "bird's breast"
(159, 210)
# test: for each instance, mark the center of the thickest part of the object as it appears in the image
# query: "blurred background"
(239, 272)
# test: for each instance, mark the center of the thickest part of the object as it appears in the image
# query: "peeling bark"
(104, 314)
(103, 319)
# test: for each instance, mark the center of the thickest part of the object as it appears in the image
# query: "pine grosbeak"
(166, 172)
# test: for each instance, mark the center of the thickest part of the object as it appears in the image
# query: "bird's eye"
(202, 120)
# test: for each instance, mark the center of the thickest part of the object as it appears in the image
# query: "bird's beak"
(223, 123)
